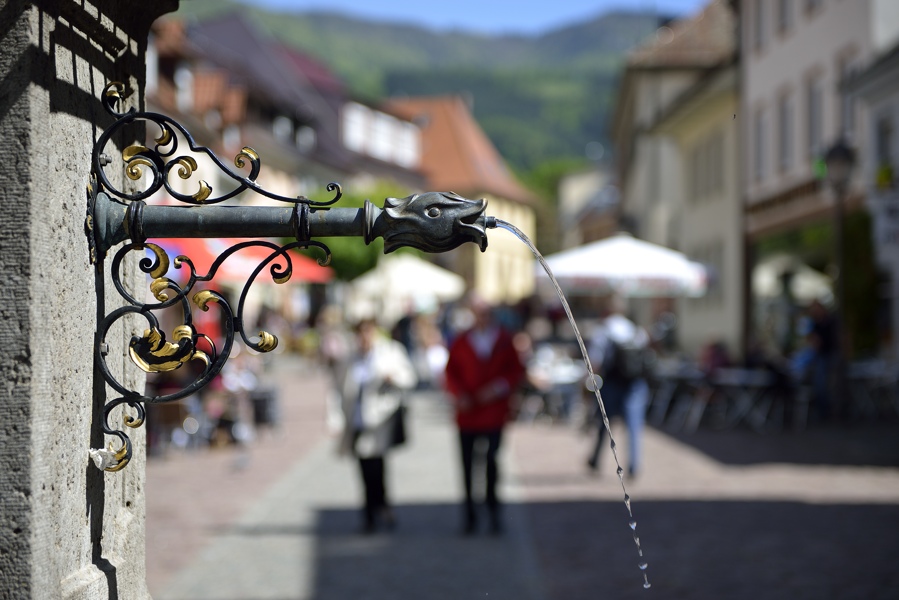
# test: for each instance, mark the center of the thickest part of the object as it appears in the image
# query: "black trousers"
(372, 470)
(480, 446)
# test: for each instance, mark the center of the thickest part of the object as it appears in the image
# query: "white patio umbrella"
(401, 282)
(625, 265)
(806, 284)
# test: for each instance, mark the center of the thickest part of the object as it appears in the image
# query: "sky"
(484, 16)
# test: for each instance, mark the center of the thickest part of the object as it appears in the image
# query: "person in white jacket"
(372, 406)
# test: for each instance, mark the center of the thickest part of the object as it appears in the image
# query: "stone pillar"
(67, 530)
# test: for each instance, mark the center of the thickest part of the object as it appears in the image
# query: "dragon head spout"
(432, 221)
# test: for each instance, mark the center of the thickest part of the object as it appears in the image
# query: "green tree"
(350, 257)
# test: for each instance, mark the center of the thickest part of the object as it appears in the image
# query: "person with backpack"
(619, 352)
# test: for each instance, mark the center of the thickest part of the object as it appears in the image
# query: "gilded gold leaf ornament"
(134, 170)
(161, 269)
(133, 422)
(187, 166)
(165, 137)
(158, 287)
(203, 298)
(132, 151)
(152, 354)
(114, 89)
(203, 193)
(245, 152)
(267, 342)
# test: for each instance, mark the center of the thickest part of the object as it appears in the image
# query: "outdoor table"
(670, 377)
(747, 397)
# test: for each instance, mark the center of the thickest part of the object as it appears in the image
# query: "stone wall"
(67, 530)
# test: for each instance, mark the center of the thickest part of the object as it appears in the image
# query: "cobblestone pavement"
(719, 515)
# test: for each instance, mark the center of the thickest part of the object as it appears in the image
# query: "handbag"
(398, 426)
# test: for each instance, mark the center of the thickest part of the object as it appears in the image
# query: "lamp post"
(839, 159)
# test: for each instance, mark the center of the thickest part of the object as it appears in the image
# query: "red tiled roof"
(456, 153)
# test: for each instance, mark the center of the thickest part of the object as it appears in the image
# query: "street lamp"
(839, 160)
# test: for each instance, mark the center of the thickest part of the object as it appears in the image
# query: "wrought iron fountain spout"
(430, 221)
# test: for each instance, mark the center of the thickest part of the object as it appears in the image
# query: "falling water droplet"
(643, 566)
(647, 585)
(633, 524)
(620, 471)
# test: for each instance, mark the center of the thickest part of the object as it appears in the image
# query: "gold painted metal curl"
(245, 152)
(267, 342)
(133, 422)
(187, 166)
(203, 298)
(157, 287)
(132, 151)
(115, 89)
(152, 354)
(165, 137)
(120, 457)
(163, 267)
(283, 279)
(203, 193)
(132, 156)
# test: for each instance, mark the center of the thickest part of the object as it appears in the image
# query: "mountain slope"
(538, 97)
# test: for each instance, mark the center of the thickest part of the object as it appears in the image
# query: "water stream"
(596, 384)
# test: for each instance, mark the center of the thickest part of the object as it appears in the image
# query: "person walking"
(618, 354)
(482, 373)
(373, 414)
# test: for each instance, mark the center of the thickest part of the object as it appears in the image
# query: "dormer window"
(184, 88)
(282, 128)
(305, 139)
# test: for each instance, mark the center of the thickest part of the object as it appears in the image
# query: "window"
(282, 128)
(409, 147)
(758, 24)
(184, 88)
(785, 132)
(706, 168)
(784, 15)
(381, 143)
(884, 140)
(305, 139)
(356, 119)
(814, 110)
(231, 137)
(758, 135)
(847, 67)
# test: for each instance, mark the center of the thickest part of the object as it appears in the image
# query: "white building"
(794, 55)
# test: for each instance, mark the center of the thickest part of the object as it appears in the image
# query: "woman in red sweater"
(482, 373)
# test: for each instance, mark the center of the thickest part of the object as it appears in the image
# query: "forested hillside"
(539, 98)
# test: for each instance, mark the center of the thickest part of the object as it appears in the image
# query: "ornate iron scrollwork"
(431, 221)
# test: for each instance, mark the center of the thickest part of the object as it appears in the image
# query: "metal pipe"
(432, 221)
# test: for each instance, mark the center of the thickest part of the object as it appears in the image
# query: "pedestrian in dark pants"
(372, 414)
(618, 352)
(482, 373)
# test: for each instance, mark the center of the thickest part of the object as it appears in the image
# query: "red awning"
(238, 267)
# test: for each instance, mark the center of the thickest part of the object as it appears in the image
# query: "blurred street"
(732, 514)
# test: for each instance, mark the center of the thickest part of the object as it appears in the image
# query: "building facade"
(676, 144)
(795, 55)
(457, 156)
